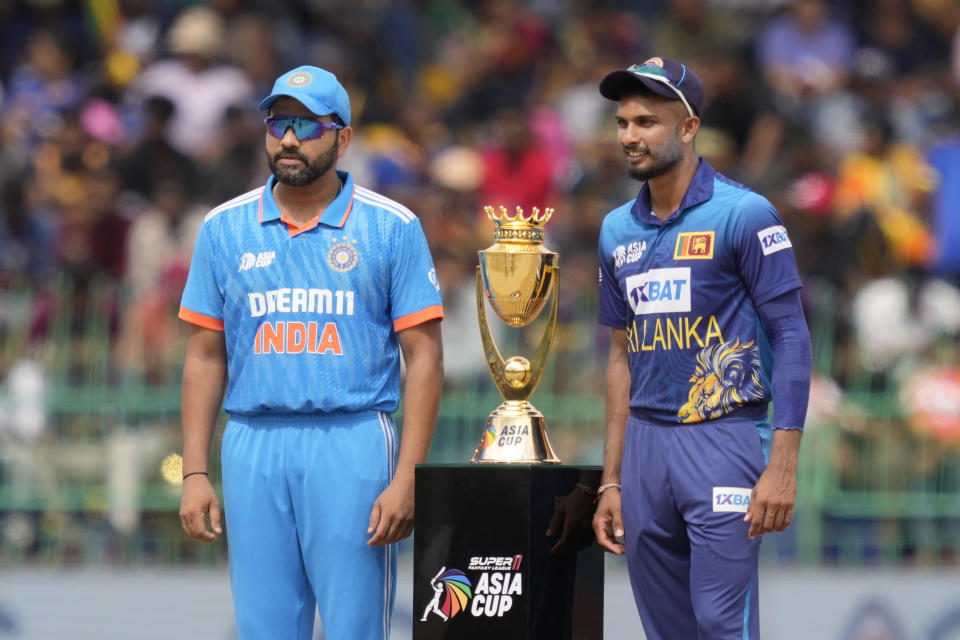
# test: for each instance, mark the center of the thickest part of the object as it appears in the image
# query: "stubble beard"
(307, 173)
(663, 162)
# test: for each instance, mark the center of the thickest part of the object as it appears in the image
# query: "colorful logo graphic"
(343, 256)
(694, 246)
(489, 435)
(451, 593)
(300, 79)
(727, 376)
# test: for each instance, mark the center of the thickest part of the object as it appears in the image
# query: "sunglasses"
(661, 75)
(304, 128)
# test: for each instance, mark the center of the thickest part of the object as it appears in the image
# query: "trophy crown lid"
(518, 228)
(519, 219)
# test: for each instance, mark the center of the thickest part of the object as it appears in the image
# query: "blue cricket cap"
(663, 76)
(316, 89)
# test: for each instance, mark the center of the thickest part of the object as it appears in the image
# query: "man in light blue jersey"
(303, 295)
(699, 285)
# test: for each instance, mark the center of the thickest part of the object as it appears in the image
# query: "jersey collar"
(335, 215)
(699, 191)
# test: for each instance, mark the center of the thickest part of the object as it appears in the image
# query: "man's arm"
(204, 377)
(773, 497)
(391, 518)
(607, 521)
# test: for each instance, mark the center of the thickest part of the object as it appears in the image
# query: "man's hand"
(572, 518)
(198, 501)
(391, 518)
(771, 503)
(607, 522)
(773, 497)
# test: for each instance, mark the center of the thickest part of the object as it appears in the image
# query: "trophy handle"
(495, 360)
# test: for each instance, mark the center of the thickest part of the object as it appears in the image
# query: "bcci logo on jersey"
(659, 291)
(773, 239)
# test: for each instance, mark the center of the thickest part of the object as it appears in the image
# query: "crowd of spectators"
(122, 122)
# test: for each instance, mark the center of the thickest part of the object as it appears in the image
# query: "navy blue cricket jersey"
(686, 291)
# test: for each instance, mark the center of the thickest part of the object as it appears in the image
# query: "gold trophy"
(516, 275)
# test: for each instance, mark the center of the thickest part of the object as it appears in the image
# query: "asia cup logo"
(300, 79)
(247, 261)
(343, 256)
(451, 593)
(489, 435)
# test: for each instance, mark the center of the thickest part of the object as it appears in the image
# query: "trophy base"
(516, 433)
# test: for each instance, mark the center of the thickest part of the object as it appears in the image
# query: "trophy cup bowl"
(517, 283)
(517, 275)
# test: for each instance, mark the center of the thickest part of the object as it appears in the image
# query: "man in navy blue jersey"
(699, 284)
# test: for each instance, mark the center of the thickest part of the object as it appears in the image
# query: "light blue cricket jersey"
(311, 315)
(686, 289)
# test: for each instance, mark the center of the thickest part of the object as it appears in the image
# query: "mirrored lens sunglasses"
(303, 127)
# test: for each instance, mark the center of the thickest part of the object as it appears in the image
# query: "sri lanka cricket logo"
(451, 592)
(727, 376)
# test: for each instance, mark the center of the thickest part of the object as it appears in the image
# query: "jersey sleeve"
(202, 301)
(765, 258)
(613, 310)
(414, 288)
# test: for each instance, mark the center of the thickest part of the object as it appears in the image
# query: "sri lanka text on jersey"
(665, 333)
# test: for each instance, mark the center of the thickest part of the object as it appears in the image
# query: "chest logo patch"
(773, 239)
(628, 254)
(696, 245)
(257, 261)
(343, 255)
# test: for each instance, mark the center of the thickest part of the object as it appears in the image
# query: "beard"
(661, 162)
(306, 174)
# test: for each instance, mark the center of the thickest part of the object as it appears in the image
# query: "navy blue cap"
(317, 89)
(662, 76)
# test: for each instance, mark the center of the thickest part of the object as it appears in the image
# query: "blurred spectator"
(154, 155)
(41, 89)
(898, 318)
(160, 248)
(26, 240)
(689, 31)
(945, 207)
(892, 182)
(804, 53)
(738, 118)
(806, 57)
(518, 170)
(92, 234)
(200, 86)
(236, 161)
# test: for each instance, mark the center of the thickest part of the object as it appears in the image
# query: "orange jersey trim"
(430, 313)
(200, 320)
(347, 213)
(296, 229)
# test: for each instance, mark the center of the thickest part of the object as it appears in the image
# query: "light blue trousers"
(298, 490)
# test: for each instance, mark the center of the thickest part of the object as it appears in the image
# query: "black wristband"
(195, 473)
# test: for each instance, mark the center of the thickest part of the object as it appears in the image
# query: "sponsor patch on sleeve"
(731, 499)
(773, 239)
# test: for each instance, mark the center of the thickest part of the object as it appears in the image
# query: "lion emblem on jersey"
(727, 376)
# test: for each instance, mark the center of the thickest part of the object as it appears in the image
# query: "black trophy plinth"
(482, 563)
